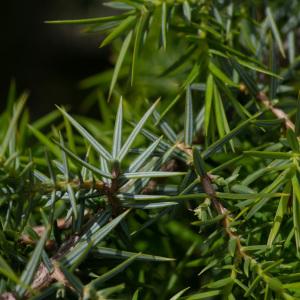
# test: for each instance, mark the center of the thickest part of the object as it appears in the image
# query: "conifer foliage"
(188, 184)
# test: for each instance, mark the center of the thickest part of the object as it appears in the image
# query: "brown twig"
(206, 181)
(278, 113)
(221, 210)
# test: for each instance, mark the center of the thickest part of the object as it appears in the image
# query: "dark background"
(48, 60)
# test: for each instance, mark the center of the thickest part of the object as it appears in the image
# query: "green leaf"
(248, 80)
(198, 162)
(46, 120)
(98, 221)
(72, 279)
(7, 271)
(89, 20)
(208, 266)
(296, 210)
(179, 294)
(139, 30)
(292, 140)
(165, 127)
(128, 196)
(256, 68)
(148, 205)
(292, 285)
(189, 80)
(179, 62)
(136, 294)
(151, 221)
(263, 171)
(163, 146)
(219, 74)
(32, 265)
(107, 292)
(220, 116)
(204, 295)
(96, 145)
(275, 284)
(246, 265)
(270, 155)
(275, 31)
(239, 188)
(236, 196)
(297, 122)
(46, 141)
(83, 163)
(113, 272)
(119, 63)
(187, 11)
(64, 160)
(13, 123)
(164, 25)
(136, 131)
(136, 185)
(219, 143)
(274, 67)
(263, 199)
(227, 164)
(208, 101)
(142, 158)
(232, 246)
(153, 174)
(188, 124)
(291, 46)
(252, 286)
(219, 283)
(229, 196)
(92, 238)
(120, 254)
(72, 200)
(281, 211)
(104, 169)
(120, 29)
(117, 139)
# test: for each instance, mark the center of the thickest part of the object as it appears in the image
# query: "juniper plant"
(210, 197)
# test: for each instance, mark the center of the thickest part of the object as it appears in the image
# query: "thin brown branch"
(75, 184)
(221, 210)
(208, 188)
(43, 278)
(278, 113)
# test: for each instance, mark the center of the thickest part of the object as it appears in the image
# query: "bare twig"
(278, 113)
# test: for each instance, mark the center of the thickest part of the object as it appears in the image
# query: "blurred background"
(49, 60)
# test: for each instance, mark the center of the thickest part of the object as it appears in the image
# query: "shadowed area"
(48, 60)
